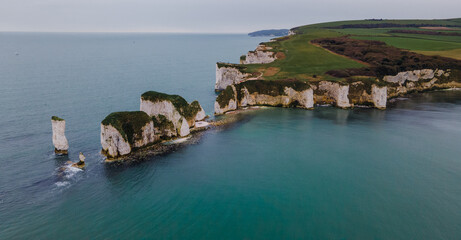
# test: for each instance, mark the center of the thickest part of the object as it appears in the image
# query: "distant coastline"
(270, 33)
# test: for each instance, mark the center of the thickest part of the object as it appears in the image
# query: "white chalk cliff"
(112, 142)
(261, 55)
(229, 105)
(60, 143)
(201, 115)
(337, 92)
(228, 75)
(167, 109)
(241, 98)
(420, 80)
(115, 145)
(304, 99)
(413, 76)
(379, 96)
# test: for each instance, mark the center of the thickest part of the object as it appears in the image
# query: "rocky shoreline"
(161, 117)
(348, 93)
(166, 122)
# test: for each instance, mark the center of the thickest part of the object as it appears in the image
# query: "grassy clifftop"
(306, 59)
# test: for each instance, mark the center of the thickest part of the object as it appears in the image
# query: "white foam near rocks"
(177, 141)
(201, 124)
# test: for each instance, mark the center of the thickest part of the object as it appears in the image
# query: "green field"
(417, 44)
(305, 61)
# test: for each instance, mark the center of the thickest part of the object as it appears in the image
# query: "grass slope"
(304, 60)
(307, 62)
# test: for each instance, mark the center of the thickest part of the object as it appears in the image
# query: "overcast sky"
(205, 15)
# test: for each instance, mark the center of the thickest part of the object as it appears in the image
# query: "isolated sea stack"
(59, 138)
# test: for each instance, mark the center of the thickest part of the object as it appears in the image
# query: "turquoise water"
(278, 174)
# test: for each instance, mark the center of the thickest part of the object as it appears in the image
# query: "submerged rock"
(60, 143)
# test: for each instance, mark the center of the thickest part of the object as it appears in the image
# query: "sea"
(278, 173)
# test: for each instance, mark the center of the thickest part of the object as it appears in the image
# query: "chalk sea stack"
(162, 117)
(121, 132)
(60, 143)
(173, 108)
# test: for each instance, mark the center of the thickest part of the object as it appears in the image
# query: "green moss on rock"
(358, 85)
(225, 96)
(181, 105)
(242, 68)
(194, 108)
(55, 118)
(161, 122)
(272, 88)
(129, 124)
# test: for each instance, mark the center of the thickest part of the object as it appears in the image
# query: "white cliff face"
(226, 76)
(418, 80)
(413, 76)
(259, 57)
(231, 105)
(184, 129)
(147, 136)
(304, 99)
(59, 138)
(339, 93)
(165, 108)
(201, 115)
(379, 96)
(113, 143)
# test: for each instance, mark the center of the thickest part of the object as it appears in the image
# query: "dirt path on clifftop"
(355, 60)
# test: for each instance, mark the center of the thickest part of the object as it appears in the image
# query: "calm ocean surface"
(279, 174)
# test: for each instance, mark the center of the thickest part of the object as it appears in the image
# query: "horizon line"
(160, 32)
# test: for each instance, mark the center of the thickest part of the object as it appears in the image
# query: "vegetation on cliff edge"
(128, 124)
(271, 88)
(309, 62)
(56, 118)
(182, 106)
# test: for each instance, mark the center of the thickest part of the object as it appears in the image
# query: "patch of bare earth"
(280, 55)
(271, 71)
(441, 28)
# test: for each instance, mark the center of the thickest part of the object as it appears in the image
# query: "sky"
(205, 16)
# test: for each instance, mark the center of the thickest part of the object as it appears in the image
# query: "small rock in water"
(81, 162)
